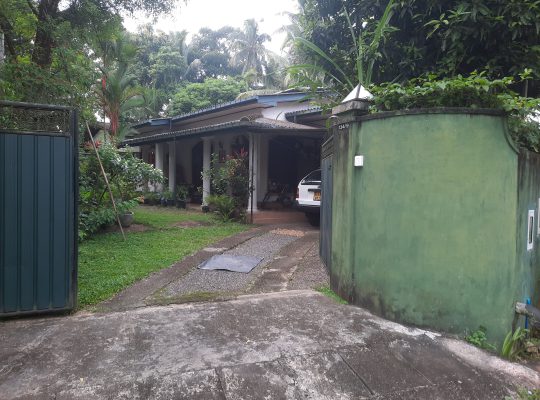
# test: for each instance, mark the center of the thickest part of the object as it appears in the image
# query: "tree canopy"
(205, 94)
(444, 37)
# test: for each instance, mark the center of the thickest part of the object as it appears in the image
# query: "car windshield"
(314, 177)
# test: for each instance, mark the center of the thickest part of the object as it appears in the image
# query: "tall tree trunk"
(44, 43)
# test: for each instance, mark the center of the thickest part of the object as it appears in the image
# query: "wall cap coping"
(434, 110)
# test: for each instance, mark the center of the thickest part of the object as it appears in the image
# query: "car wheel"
(313, 219)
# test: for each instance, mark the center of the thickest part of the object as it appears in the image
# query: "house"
(282, 133)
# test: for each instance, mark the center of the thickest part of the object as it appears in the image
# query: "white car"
(308, 196)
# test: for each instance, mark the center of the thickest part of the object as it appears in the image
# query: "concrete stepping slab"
(228, 262)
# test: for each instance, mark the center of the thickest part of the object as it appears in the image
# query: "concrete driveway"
(275, 342)
(285, 345)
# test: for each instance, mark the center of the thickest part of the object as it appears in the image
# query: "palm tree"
(249, 50)
(321, 70)
(117, 92)
(118, 95)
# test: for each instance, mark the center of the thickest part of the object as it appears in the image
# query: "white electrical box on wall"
(530, 230)
(358, 161)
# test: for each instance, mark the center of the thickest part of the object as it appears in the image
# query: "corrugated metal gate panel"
(325, 249)
(37, 218)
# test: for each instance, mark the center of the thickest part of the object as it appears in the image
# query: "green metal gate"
(325, 245)
(38, 208)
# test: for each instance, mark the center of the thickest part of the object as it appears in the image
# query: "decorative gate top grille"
(33, 118)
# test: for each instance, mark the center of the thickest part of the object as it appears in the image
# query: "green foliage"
(223, 205)
(514, 343)
(252, 56)
(212, 91)
(327, 72)
(92, 220)
(125, 173)
(479, 339)
(182, 192)
(474, 91)
(210, 54)
(447, 37)
(230, 176)
(167, 195)
(331, 294)
(161, 60)
(526, 394)
(117, 91)
(229, 181)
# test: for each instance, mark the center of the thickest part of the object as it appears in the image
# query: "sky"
(214, 14)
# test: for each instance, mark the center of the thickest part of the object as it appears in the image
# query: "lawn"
(108, 264)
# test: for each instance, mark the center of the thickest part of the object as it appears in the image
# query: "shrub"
(229, 184)
(224, 206)
(479, 339)
(514, 344)
(474, 91)
(126, 174)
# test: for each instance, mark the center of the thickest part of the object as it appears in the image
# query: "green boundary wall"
(432, 229)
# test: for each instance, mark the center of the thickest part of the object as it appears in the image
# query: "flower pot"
(126, 219)
(180, 204)
(170, 202)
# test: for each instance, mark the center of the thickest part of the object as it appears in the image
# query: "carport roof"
(256, 125)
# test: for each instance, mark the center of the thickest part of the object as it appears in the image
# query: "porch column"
(160, 160)
(207, 142)
(253, 170)
(172, 166)
(263, 167)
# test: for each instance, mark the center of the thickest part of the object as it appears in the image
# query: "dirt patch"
(129, 229)
(190, 224)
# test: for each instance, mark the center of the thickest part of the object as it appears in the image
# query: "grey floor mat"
(231, 262)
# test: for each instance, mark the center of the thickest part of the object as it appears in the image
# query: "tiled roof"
(258, 124)
(311, 110)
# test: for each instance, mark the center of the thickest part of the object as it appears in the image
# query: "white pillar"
(253, 170)
(206, 167)
(263, 167)
(172, 166)
(160, 160)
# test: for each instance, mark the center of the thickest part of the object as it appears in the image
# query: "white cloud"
(216, 13)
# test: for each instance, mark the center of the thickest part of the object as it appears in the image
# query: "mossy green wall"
(425, 231)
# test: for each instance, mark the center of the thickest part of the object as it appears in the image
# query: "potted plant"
(124, 212)
(151, 198)
(181, 196)
(167, 198)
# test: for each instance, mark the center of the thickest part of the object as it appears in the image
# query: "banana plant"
(327, 69)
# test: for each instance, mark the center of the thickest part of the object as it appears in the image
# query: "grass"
(160, 217)
(330, 293)
(108, 264)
